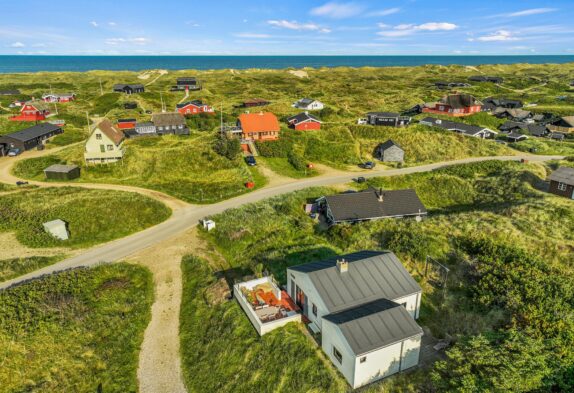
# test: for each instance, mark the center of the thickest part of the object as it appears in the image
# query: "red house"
(194, 107)
(127, 124)
(304, 121)
(262, 126)
(32, 111)
(66, 97)
(455, 105)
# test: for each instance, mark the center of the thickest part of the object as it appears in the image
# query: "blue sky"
(293, 27)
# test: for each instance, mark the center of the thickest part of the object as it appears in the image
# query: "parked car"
(250, 160)
(21, 183)
(368, 165)
(361, 179)
(14, 152)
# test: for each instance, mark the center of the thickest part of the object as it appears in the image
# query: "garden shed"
(62, 172)
(390, 151)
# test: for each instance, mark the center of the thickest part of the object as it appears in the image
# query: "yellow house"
(105, 144)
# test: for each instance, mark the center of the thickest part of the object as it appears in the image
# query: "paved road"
(188, 217)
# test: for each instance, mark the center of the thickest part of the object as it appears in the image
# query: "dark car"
(21, 183)
(361, 179)
(368, 165)
(250, 160)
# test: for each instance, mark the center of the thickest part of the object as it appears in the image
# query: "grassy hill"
(75, 331)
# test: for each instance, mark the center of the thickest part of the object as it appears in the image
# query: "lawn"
(93, 216)
(184, 167)
(477, 212)
(221, 351)
(75, 331)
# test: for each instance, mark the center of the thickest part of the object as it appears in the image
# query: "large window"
(338, 355)
(562, 186)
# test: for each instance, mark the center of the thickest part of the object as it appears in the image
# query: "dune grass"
(93, 216)
(180, 166)
(75, 331)
(10, 268)
(221, 351)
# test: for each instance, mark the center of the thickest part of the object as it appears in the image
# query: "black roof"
(192, 102)
(383, 114)
(557, 135)
(9, 92)
(121, 86)
(33, 132)
(563, 175)
(375, 325)
(389, 143)
(366, 205)
(453, 126)
(301, 117)
(190, 79)
(126, 120)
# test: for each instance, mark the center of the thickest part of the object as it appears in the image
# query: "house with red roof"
(194, 107)
(455, 105)
(260, 126)
(32, 111)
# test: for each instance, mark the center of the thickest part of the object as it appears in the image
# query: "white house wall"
(413, 304)
(331, 336)
(311, 296)
(411, 352)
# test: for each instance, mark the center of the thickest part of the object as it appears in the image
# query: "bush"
(228, 147)
(297, 160)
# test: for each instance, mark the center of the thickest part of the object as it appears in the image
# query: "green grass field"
(75, 331)
(496, 203)
(93, 216)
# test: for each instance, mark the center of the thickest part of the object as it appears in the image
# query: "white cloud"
(500, 35)
(338, 10)
(251, 35)
(135, 41)
(406, 29)
(294, 25)
(94, 23)
(386, 12)
(112, 24)
(17, 45)
(532, 11)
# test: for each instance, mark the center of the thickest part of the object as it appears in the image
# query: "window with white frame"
(562, 186)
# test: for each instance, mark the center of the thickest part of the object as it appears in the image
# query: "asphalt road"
(187, 217)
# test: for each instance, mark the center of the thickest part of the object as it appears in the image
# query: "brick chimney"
(342, 265)
(380, 195)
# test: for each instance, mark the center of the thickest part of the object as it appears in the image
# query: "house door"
(300, 299)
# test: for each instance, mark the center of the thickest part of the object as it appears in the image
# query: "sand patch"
(13, 249)
(299, 73)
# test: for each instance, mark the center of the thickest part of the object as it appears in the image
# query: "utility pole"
(101, 88)
(163, 109)
(88, 121)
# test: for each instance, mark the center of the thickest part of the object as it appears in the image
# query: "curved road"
(187, 217)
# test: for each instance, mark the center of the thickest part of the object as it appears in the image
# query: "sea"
(21, 64)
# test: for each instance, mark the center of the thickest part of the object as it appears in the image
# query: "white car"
(14, 152)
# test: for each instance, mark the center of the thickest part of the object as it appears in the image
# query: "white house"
(308, 104)
(365, 305)
(105, 144)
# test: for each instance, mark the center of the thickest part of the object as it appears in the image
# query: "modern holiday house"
(454, 105)
(304, 121)
(460, 128)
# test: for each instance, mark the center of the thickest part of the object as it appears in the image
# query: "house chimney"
(380, 195)
(342, 266)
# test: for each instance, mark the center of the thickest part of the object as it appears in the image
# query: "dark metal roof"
(383, 114)
(375, 325)
(61, 168)
(563, 175)
(454, 126)
(126, 120)
(121, 86)
(365, 205)
(33, 132)
(388, 144)
(301, 117)
(192, 102)
(371, 275)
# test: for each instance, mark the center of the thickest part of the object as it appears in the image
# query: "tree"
(228, 147)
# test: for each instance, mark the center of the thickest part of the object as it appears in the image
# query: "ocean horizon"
(44, 63)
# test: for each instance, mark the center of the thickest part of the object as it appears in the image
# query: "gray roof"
(454, 126)
(33, 132)
(301, 117)
(372, 275)
(365, 205)
(121, 86)
(375, 325)
(563, 175)
(388, 144)
(60, 168)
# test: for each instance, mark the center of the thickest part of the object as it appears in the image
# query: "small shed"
(208, 225)
(390, 151)
(57, 228)
(62, 172)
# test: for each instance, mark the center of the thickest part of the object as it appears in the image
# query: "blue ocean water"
(17, 64)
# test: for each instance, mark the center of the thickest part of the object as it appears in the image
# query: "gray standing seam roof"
(388, 144)
(60, 168)
(33, 132)
(365, 205)
(372, 275)
(375, 325)
(454, 126)
(563, 175)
